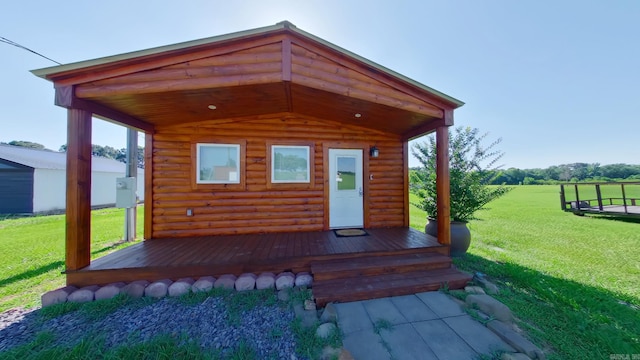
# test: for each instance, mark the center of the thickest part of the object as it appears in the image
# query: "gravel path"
(265, 328)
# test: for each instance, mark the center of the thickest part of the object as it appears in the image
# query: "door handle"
(361, 192)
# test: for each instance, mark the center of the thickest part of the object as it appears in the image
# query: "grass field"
(32, 251)
(571, 280)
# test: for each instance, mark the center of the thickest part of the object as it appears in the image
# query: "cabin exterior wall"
(257, 205)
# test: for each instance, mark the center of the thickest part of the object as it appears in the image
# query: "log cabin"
(258, 146)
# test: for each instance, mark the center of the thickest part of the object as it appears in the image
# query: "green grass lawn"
(32, 251)
(571, 280)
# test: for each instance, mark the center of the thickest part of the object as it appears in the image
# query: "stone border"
(498, 318)
(166, 287)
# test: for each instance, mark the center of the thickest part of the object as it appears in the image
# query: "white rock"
(266, 280)
(203, 284)
(109, 291)
(180, 287)
(226, 281)
(83, 295)
(57, 296)
(304, 279)
(246, 282)
(285, 280)
(325, 330)
(135, 289)
(157, 289)
(329, 314)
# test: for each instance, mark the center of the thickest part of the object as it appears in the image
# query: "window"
(290, 164)
(218, 164)
(346, 177)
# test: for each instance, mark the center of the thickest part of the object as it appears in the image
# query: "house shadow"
(564, 317)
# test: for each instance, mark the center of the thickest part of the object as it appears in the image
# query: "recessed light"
(212, 107)
(358, 115)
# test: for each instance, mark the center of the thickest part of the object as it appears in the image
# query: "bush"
(471, 168)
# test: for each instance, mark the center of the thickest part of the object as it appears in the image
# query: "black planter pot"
(460, 236)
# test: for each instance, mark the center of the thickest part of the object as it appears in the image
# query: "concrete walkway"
(427, 325)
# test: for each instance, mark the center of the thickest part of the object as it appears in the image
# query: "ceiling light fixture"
(358, 115)
(212, 107)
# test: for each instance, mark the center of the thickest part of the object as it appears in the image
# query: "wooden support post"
(563, 199)
(148, 186)
(624, 199)
(78, 219)
(599, 195)
(443, 192)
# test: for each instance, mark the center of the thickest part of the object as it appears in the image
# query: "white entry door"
(346, 207)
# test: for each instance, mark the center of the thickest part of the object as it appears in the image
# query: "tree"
(27, 144)
(112, 153)
(471, 167)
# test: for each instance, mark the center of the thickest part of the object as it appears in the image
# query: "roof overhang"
(274, 69)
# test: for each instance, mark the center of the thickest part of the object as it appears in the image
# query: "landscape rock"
(506, 333)
(157, 289)
(329, 314)
(109, 291)
(246, 282)
(308, 318)
(285, 280)
(180, 287)
(491, 306)
(325, 330)
(135, 289)
(491, 287)
(266, 280)
(309, 305)
(83, 295)
(474, 290)
(303, 279)
(57, 296)
(283, 295)
(226, 281)
(203, 284)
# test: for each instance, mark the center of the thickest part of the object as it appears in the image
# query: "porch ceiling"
(186, 106)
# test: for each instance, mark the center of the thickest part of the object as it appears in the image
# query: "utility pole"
(131, 171)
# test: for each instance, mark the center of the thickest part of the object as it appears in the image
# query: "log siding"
(257, 206)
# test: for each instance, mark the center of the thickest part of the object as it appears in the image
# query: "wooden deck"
(156, 259)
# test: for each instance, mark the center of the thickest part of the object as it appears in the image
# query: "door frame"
(365, 177)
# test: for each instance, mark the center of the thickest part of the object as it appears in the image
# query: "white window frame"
(273, 164)
(199, 146)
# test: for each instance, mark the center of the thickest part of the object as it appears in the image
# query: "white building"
(34, 181)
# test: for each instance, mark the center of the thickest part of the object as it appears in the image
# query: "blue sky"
(559, 81)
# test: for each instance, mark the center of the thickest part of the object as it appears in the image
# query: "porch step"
(376, 265)
(383, 285)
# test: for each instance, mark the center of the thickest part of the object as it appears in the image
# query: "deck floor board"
(215, 255)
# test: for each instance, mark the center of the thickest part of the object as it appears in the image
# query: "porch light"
(374, 152)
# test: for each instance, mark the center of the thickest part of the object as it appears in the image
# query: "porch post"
(78, 218)
(442, 185)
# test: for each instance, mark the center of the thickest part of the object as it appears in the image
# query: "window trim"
(308, 184)
(196, 183)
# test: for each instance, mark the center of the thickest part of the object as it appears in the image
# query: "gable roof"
(45, 159)
(274, 69)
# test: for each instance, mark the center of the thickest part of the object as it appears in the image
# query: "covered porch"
(253, 92)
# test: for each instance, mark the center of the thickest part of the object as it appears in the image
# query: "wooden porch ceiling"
(162, 109)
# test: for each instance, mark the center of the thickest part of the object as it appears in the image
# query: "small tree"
(471, 167)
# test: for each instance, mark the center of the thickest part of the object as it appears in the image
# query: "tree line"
(96, 150)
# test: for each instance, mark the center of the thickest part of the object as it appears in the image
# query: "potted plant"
(471, 168)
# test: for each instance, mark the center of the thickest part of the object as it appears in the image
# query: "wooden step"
(376, 265)
(396, 284)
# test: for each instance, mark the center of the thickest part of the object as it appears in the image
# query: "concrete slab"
(413, 309)
(476, 335)
(353, 317)
(440, 304)
(383, 309)
(443, 341)
(406, 344)
(365, 344)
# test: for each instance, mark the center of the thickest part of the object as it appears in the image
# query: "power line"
(7, 41)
